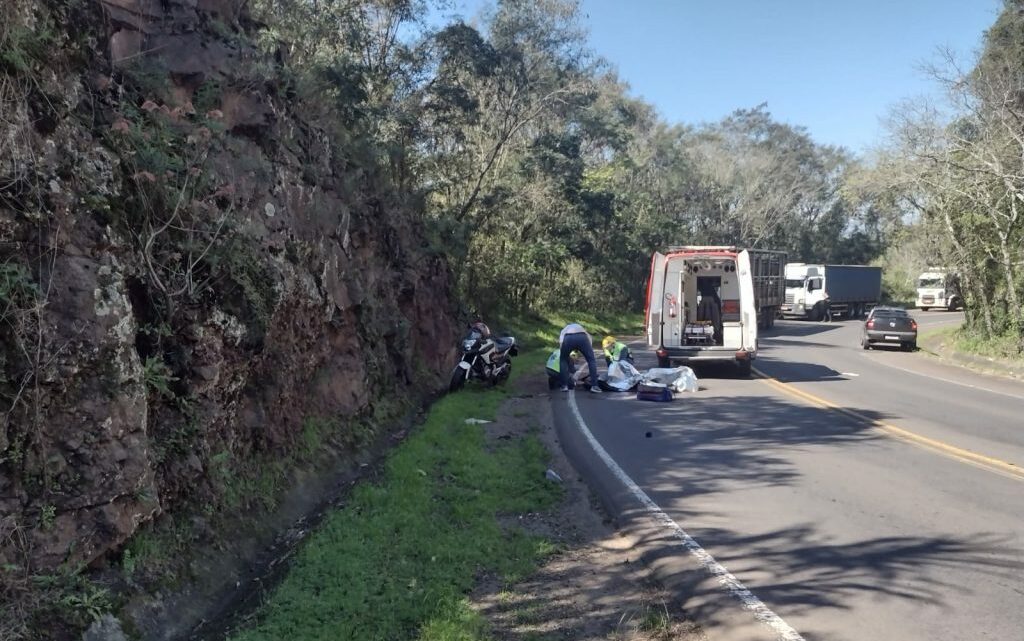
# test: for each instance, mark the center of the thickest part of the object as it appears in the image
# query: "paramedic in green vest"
(615, 351)
(552, 368)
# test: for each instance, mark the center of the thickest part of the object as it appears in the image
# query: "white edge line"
(944, 380)
(725, 578)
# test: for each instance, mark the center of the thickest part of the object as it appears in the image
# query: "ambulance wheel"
(743, 368)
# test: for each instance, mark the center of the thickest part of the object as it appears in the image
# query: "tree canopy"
(545, 182)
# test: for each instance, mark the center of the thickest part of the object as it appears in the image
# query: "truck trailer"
(850, 290)
(705, 303)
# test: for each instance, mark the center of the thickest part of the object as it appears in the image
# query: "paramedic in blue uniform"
(574, 337)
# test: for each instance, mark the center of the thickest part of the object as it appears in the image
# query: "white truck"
(938, 288)
(705, 303)
(846, 290)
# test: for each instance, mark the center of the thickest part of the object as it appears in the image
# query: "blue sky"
(833, 66)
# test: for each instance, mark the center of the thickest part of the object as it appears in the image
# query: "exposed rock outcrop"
(193, 266)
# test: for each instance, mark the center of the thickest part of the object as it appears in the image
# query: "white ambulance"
(701, 303)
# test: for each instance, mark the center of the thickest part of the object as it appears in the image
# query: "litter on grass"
(475, 421)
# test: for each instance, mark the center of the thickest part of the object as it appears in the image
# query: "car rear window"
(889, 312)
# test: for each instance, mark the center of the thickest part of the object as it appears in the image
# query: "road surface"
(858, 495)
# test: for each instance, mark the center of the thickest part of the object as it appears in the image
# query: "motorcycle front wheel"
(458, 379)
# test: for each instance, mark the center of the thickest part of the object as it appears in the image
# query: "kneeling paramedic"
(553, 367)
(615, 351)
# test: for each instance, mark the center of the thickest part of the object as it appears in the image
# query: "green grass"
(962, 340)
(1003, 347)
(541, 332)
(937, 333)
(398, 560)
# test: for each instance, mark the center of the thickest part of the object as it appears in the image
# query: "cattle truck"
(706, 303)
(850, 290)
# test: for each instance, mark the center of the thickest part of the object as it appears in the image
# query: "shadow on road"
(796, 372)
(810, 572)
(800, 328)
(774, 341)
(695, 452)
(712, 446)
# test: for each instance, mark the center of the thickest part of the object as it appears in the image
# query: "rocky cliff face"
(193, 262)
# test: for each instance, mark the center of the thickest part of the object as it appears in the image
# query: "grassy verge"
(995, 355)
(541, 332)
(937, 334)
(396, 562)
(1001, 347)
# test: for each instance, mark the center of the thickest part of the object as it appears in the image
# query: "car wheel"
(865, 343)
(925, 309)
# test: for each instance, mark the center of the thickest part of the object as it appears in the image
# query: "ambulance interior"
(701, 306)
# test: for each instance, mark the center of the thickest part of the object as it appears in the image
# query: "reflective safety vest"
(614, 352)
(555, 360)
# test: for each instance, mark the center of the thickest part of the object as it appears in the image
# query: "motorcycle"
(484, 357)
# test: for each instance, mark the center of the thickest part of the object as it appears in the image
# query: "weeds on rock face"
(158, 376)
(41, 607)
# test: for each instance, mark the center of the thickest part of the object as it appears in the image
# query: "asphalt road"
(860, 495)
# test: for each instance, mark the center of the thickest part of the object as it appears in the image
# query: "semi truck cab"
(937, 288)
(805, 291)
(845, 290)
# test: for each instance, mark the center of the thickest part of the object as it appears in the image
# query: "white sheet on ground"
(623, 376)
(678, 379)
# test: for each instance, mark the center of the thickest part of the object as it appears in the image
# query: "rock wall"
(193, 263)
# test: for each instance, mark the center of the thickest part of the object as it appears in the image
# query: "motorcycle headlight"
(468, 344)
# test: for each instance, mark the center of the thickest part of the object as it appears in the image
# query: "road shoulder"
(938, 345)
(723, 608)
(595, 585)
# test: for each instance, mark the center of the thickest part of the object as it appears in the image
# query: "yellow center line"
(1001, 467)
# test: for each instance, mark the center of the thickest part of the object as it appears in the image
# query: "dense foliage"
(957, 169)
(546, 183)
